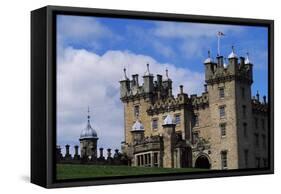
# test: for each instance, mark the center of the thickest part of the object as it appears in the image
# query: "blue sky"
(88, 46)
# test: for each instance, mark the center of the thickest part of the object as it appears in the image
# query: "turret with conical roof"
(88, 141)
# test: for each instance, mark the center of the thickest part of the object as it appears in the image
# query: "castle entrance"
(202, 162)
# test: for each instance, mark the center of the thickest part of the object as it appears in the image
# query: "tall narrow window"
(177, 119)
(155, 124)
(244, 112)
(224, 159)
(222, 111)
(245, 130)
(246, 155)
(223, 129)
(137, 110)
(221, 92)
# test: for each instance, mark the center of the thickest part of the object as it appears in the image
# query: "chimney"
(264, 99)
(67, 149)
(242, 61)
(159, 80)
(101, 152)
(76, 150)
(135, 80)
(108, 153)
(181, 89)
(220, 61)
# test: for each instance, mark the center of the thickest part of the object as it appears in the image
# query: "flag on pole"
(220, 33)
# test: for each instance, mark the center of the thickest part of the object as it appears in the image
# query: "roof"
(168, 120)
(137, 126)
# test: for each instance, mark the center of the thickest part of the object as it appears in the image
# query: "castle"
(224, 128)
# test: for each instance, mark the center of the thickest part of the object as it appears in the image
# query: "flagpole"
(218, 44)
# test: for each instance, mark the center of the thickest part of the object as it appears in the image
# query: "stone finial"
(258, 96)
(125, 74)
(147, 72)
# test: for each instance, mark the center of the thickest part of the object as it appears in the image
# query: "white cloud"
(85, 78)
(83, 30)
(195, 38)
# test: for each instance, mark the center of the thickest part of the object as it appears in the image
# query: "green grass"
(76, 171)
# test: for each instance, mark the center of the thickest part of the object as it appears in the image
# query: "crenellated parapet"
(200, 101)
(259, 107)
(237, 69)
(131, 89)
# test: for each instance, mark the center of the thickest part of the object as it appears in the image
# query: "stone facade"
(224, 128)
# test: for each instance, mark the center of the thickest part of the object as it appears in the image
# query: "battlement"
(258, 106)
(151, 89)
(237, 69)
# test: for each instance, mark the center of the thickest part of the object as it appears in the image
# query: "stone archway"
(202, 162)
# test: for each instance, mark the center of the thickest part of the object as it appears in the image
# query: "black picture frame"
(43, 94)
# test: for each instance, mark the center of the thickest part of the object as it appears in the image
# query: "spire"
(247, 61)
(209, 59)
(232, 54)
(125, 74)
(167, 74)
(258, 96)
(88, 115)
(147, 70)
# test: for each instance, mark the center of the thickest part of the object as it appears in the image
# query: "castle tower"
(169, 141)
(88, 141)
(229, 91)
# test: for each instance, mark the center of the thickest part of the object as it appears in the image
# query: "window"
(243, 92)
(257, 139)
(155, 159)
(263, 141)
(256, 123)
(223, 129)
(244, 112)
(154, 124)
(246, 154)
(196, 120)
(137, 110)
(258, 162)
(222, 111)
(221, 92)
(177, 119)
(224, 159)
(245, 130)
(263, 124)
